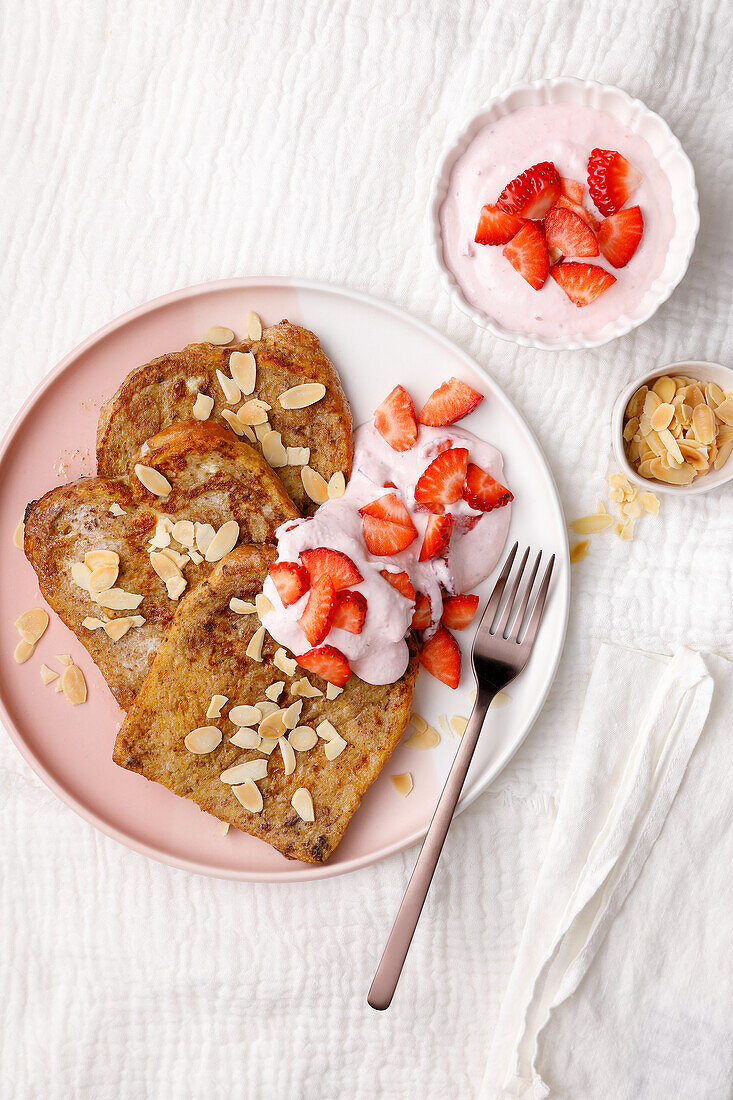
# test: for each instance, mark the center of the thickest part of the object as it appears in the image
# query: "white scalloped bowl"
(670, 156)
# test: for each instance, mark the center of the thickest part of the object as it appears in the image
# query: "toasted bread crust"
(214, 476)
(204, 654)
(164, 390)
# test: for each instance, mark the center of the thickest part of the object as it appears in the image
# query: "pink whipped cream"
(379, 654)
(564, 134)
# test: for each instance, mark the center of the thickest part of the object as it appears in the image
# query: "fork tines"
(509, 612)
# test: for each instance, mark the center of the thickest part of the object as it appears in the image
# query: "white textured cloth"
(147, 146)
(644, 938)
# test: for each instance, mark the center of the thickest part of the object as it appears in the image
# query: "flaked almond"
(233, 421)
(202, 740)
(204, 534)
(336, 485)
(703, 423)
(632, 509)
(245, 715)
(103, 578)
(326, 730)
(292, 714)
(672, 445)
(578, 551)
(288, 755)
(274, 691)
(214, 708)
(625, 530)
(32, 624)
(91, 623)
(267, 745)
(458, 724)
(245, 738)
(229, 388)
(202, 406)
(240, 773)
(73, 685)
(241, 607)
(266, 706)
(117, 628)
(252, 413)
(332, 691)
(98, 559)
(137, 620)
(262, 605)
(48, 675)
(682, 475)
(651, 402)
(65, 659)
(153, 480)
(81, 574)
(248, 433)
(697, 457)
(418, 722)
(254, 649)
(19, 535)
(444, 725)
(273, 725)
(298, 456)
(243, 369)
(664, 388)
(250, 796)
(662, 417)
(402, 783)
(224, 827)
(286, 664)
(223, 541)
(300, 397)
(302, 738)
(334, 747)
(184, 532)
(590, 524)
(724, 452)
(635, 406)
(302, 803)
(649, 503)
(713, 394)
(178, 559)
(175, 587)
(305, 688)
(254, 325)
(426, 738)
(273, 451)
(219, 335)
(116, 599)
(164, 567)
(23, 651)
(501, 699)
(314, 485)
(261, 430)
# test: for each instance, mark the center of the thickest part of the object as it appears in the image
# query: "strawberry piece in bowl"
(496, 226)
(400, 582)
(582, 282)
(450, 402)
(327, 662)
(350, 612)
(395, 420)
(577, 208)
(337, 566)
(387, 526)
(619, 235)
(442, 481)
(527, 253)
(571, 189)
(532, 193)
(317, 618)
(422, 615)
(437, 537)
(458, 611)
(441, 656)
(612, 180)
(483, 492)
(291, 581)
(567, 232)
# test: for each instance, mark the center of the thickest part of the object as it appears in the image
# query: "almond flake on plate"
(32, 624)
(252, 413)
(292, 714)
(459, 724)
(254, 325)
(332, 691)
(241, 607)
(223, 541)
(204, 534)
(402, 783)
(19, 535)
(65, 658)
(314, 485)
(305, 688)
(217, 702)
(274, 691)
(326, 730)
(266, 706)
(73, 685)
(287, 754)
(578, 551)
(273, 451)
(153, 480)
(261, 430)
(267, 745)
(243, 369)
(245, 739)
(302, 396)
(116, 509)
(165, 568)
(254, 649)
(240, 773)
(233, 421)
(175, 587)
(588, 525)
(117, 628)
(116, 599)
(218, 334)
(302, 738)
(299, 456)
(286, 664)
(244, 715)
(202, 740)
(336, 485)
(250, 796)
(81, 574)
(229, 388)
(48, 675)
(202, 406)
(426, 738)
(262, 604)
(273, 724)
(23, 651)
(302, 803)
(334, 747)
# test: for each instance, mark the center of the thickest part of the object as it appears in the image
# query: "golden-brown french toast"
(166, 389)
(205, 654)
(214, 478)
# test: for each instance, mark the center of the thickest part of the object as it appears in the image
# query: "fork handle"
(395, 952)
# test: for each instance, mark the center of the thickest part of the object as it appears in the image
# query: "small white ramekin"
(670, 156)
(706, 372)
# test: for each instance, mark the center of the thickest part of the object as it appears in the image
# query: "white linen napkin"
(632, 911)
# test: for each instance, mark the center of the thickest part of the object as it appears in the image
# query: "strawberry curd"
(379, 654)
(564, 134)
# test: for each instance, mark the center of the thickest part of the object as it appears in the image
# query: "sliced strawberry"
(327, 662)
(442, 481)
(317, 618)
(290, 580)
(566, 231)
(619, 235)
(422, 615)
(450, 402)
(441, 656)
(437, 537)
(495, 226)
(571, 189)
(395, 420)
(387, 526)
(532, 194)
(611, 180)
(575, 207)
(555, 255)
(335, 565)
(527, 253)
(458, 611)
(482, 491)
(350, 613)
(582, 282)
(401, 582)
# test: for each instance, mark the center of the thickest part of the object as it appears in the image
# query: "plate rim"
(307, 872)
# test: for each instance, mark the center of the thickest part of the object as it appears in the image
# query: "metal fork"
(497, 657)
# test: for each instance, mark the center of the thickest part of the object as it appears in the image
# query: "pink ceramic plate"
(52, 440)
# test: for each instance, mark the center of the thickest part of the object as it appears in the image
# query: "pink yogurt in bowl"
(562, 120)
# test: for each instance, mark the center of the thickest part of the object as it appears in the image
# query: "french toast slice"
(214, 478)
(204, 654)
(165, 390)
